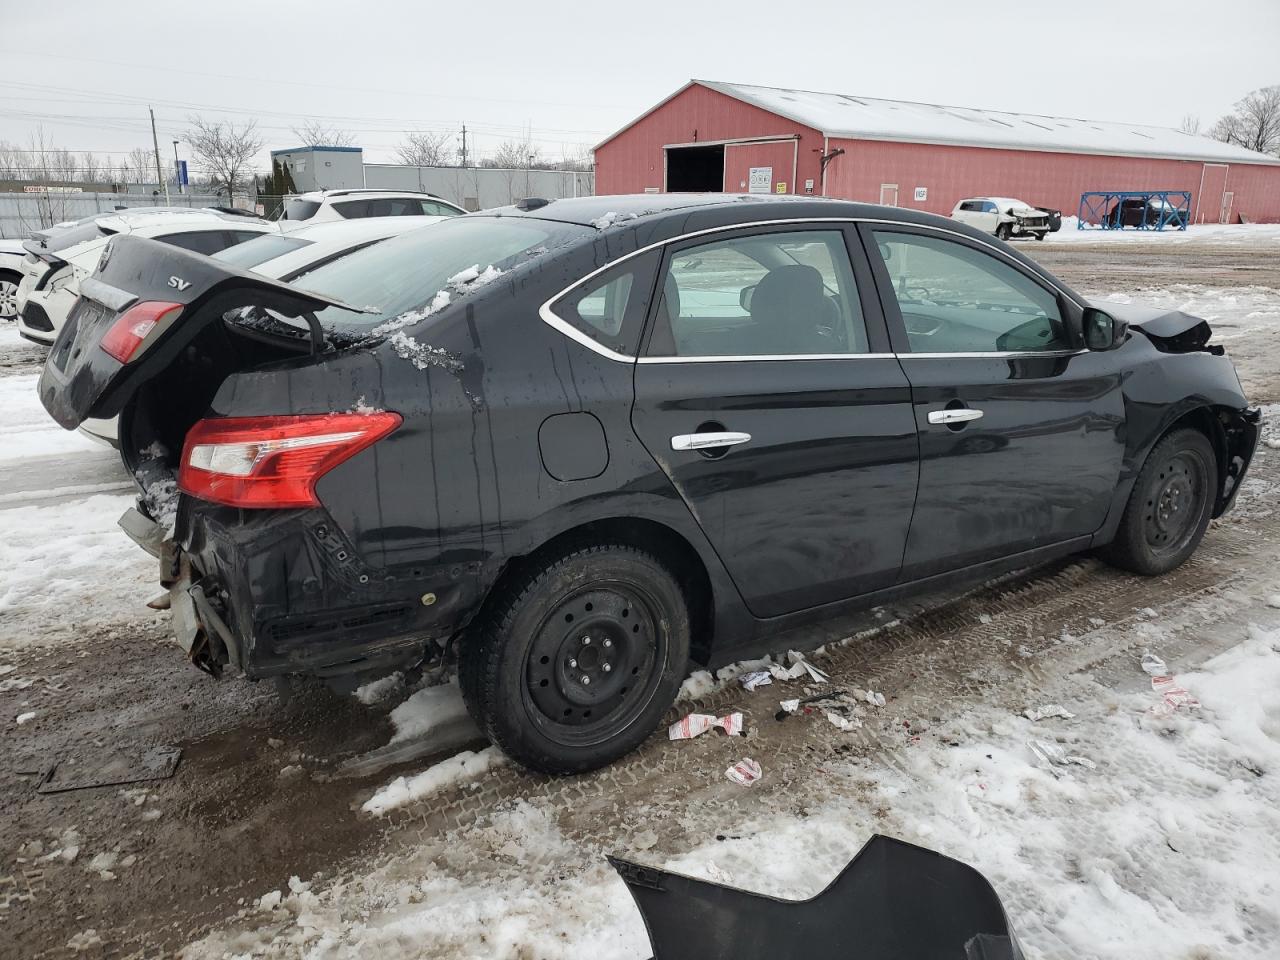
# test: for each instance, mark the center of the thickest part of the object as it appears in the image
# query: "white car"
(356, 204)
(289, 257)
(11, 254)
(57, 260)
(1003, 216)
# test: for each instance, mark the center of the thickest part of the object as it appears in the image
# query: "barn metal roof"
(866, 118)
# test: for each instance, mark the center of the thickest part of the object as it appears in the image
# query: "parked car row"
(574, 445)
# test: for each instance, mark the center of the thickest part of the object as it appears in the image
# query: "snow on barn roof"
(866, 118)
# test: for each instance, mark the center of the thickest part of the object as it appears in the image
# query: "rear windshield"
(295, 208)
(248, 255)
(406, 272)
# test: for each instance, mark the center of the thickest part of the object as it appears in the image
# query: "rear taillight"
(131, 328)
(273, 461)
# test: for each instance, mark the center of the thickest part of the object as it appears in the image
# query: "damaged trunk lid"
(147, 302)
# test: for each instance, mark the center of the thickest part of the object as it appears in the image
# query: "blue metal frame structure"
(1100, 209)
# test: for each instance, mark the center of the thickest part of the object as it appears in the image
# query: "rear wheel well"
(669, 547)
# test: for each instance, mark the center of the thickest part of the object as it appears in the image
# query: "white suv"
(1002, 216)
(321, 205)
(58, 259)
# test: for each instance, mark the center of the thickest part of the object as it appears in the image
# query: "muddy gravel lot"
(260, 796)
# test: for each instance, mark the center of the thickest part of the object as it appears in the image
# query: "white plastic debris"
(745, 772)
(791, 706)
(696, 724)
(1056, 755)
(799, 667)
(1047, 711)
(843, 723)
(26, 717)
(1154, 666)
(756, 678)
(873, 698)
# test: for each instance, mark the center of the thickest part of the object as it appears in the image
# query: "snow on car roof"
(867, 118)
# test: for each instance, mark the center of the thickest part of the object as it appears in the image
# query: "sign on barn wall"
(760, 180)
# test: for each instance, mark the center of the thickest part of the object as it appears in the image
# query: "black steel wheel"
(1003, 232)
(577, 660)
(1170, 506)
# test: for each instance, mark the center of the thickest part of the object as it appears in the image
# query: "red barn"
(737, 138)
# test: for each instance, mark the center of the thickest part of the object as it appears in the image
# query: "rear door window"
(394, 207)
(956, 299)
(770, 294)
(433, 208)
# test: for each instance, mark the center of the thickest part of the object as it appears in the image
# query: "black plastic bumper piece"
(894, 901)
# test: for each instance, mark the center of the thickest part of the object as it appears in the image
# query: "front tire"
(1169, 508)
(1003, 232)
(575, 664)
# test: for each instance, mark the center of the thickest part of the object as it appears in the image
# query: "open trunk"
(150, 341)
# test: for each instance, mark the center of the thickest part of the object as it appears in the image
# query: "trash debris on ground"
(873, 698)
(756, 678)
(745, 772)
(1172, 696)
(841, 722)
(793, 706)
(1056, 755)
(1048, 711)
(696, 724)
(1154, 665)
(115, 769)
(26, 717)
(799, 667)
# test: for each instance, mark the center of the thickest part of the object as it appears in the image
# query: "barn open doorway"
(695, 169)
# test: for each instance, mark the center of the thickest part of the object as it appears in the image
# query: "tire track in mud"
(1003, 643)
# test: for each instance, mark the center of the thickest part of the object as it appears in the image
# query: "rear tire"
(9, 295)
(1169, 508)
(576, 662)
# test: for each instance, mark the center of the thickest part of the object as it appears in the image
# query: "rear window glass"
(406, 272)
(353, 209)
(295, 208)
(207, 242)
(259, 250)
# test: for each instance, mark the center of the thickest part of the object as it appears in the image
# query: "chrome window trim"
(549, 316)
(770, 356)
(993, 354)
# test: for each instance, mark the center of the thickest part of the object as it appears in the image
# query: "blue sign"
(182, 173)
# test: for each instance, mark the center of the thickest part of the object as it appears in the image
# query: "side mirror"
(744, 297)
(1102, 331)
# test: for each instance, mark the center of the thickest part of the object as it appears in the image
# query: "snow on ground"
(1167, 847)
(27, 429)
(68, 567)
(1262, 234)
(1233, 313)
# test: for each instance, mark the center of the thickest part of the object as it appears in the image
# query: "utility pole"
(464, 145)
(177, 168)
(155, 142)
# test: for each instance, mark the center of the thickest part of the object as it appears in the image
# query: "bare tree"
(1255, 124)
(63, 164)
(421, 148)
(91, 170)
(225, 150)
(12, 165)
(1190, 124)
(139, 166)
(313, 133)
(514, 155)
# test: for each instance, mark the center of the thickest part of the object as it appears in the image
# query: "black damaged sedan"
(579, 444)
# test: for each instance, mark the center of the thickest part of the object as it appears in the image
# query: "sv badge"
(178, 283)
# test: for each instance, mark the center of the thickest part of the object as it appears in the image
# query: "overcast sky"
(573, 73)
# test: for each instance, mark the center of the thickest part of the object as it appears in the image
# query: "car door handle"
(962, 415)
(701, 441)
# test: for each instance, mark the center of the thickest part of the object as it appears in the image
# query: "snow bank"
(27, 429)
(1241, 233)
(459, 768)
